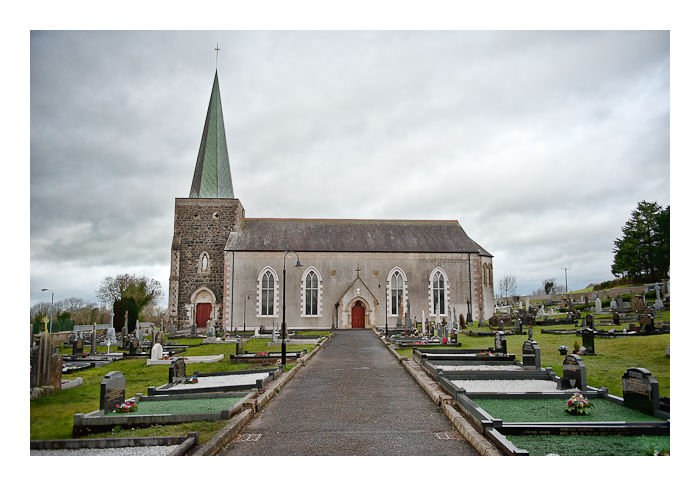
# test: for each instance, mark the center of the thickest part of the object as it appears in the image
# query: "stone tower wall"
(201, 225)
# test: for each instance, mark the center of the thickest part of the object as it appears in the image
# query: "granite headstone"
(112, 391)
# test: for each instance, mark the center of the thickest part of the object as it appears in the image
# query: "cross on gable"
(358, 271)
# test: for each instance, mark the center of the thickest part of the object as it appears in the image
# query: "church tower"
(203, 222)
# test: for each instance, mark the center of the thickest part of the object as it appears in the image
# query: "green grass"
(552, 410)
(51, 417)
(206, 430)
(202, 405)
(612, 445)
(613, 356)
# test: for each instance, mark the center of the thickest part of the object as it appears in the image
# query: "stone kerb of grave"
(177, 371)
(640, 390)
(112, 391)
(574, 372)
(531, 354)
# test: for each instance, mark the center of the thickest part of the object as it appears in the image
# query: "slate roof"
(352, 235)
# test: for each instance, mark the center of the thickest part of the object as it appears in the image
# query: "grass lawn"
(51, 417)
(613, 356)
(601, 445)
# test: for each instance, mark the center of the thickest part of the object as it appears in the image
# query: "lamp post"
(244, 310)
(51, 316)
(386, 312)
(284, 301)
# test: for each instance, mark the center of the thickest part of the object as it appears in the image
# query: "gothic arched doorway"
(358, 315)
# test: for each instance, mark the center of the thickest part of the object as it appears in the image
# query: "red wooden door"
(358, 316)
(203, 313)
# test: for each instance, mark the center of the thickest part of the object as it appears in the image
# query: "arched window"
(486, 276)
(267, 293)
(311, 293)
(397, 291)
(491, 274)
(438, 293)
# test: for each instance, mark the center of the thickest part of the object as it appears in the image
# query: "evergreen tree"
(643, 252)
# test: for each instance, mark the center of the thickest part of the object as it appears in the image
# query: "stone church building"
(354, 273)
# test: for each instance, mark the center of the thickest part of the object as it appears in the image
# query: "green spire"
(212, 174)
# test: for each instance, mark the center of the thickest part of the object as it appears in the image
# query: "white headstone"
(424, 324)
(157, 351)
(613, 305)
(540, 313)
(598, 306)
(520, 304)
(527, 303)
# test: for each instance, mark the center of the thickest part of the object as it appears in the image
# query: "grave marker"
(500, 343)
(112, 391)
(177, 371)
(598, 306)
(588, 338)
(531, 354)
(640, 390)
(78, 347)
(157, 351)
(529, 333)
(574, 373)
(590, 321)
(518, 326)
(647, 323)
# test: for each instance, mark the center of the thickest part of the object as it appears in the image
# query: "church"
(328, 273)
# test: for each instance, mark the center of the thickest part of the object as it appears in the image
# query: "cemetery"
(130, 446)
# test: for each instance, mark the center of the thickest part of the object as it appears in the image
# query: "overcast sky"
(539, 143)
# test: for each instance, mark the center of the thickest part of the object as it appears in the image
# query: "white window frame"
(275, 305)
(389, 291)
(431, 298)
(319, 297)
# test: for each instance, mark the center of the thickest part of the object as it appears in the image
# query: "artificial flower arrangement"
(191, 380)
(262, 354)
(444, 340)
(578, 405)
(485, 353)
(125, 407)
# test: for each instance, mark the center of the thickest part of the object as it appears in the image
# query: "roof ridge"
(357, 219)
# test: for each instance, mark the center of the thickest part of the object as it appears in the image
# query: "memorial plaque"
(531, 354)
(588, 338)
(178, 371)
(112, 391)
(574, 371)
(640, 390)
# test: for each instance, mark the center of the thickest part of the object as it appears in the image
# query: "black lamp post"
(386, 312)
(284, 301)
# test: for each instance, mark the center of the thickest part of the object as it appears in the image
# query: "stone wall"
(339, 282)
(201, 226)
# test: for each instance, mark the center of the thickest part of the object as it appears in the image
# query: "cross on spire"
(216, 49)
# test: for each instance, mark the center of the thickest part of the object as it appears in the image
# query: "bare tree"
(144, 290)
(508, 284)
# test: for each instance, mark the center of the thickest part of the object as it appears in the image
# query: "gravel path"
(508, 385)
(225, 380)
(109, 451)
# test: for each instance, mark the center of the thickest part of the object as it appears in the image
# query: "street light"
(566, 279)
(386, 312)
(284, 301)
(51, 317)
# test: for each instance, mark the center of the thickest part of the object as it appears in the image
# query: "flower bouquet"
(485, 353)
(444, 340)
(578, 405)
(125, 407)
(262, 354)
(191, 380)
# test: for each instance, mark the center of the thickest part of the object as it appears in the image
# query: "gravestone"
(499, 343)
(585, 301)
(637, 304)
(540, 313)
(529, 333)
(646, 322)
(41, 359)
(588, 338)
(620, 303)
(56, 371)
(640, 390)
(423, 324)
(518, 326)
(658, 303)
(500, 324)
(574, 374)
(571, 306)
(520, 304)
(111, 335)
(112, 391)
(177, 371)
(138, 333)
(193, 329)
(157, 351)
(78, 347)
(590, 321)
(613, 305)
(93, 339)
(531, 354)
(616, 317)
(598, 306)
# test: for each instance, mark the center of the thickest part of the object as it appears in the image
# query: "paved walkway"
(352, 398)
